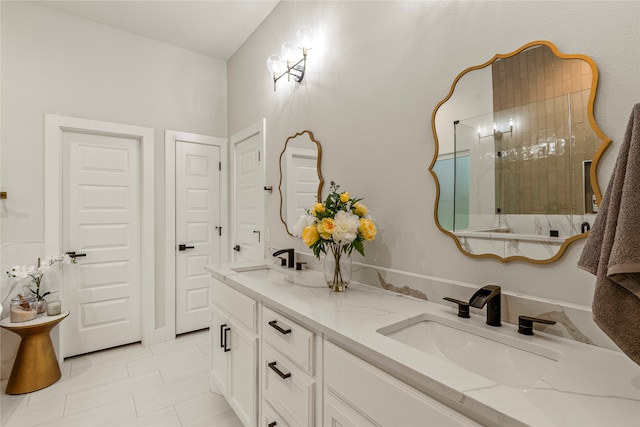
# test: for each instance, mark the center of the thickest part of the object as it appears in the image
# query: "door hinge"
(219, 166)
(258, 155)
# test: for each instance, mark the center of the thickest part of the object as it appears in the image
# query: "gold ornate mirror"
(300, 177)
(517, 148)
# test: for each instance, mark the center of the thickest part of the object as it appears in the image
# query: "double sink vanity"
(286, 352)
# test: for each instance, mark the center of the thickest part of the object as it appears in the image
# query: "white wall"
(57, 63)
(372, 83)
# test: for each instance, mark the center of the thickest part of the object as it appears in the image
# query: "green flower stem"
(336, 250)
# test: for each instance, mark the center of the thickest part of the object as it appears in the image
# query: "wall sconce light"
(497, 134)
(285, 63)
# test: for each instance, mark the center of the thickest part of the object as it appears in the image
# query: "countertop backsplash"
(572, 321)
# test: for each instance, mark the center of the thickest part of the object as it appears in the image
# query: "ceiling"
(215, 28)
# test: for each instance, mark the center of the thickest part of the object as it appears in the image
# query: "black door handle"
(185, 247)
(236, 248)
(74, 255)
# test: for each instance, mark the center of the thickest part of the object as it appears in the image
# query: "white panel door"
(101, 218)
(197, 231)
(249, 236)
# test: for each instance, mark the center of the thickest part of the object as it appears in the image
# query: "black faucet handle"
(299, 265)
(283, 261)
(525, 324)
(463, 307)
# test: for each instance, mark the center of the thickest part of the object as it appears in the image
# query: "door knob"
(236, 248)
(182, 247)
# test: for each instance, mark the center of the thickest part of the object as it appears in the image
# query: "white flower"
(303, 221)
(346, 227)
(21, 271)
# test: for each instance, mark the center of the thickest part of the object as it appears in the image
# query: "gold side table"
(36, 365)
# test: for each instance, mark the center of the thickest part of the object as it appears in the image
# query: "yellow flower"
(367, 229)
(317, 208)
(360, 209)
(344, 197)
(310, 235)
(326, 227)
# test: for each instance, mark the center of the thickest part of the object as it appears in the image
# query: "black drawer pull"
(272, 424)
(226, 338)
(282, 375)
(274, 325)
(222, 334)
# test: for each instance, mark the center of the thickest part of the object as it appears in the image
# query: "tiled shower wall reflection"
(539, 164)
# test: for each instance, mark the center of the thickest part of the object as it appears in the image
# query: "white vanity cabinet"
(234, 350)
(289, 383)
(358, 394)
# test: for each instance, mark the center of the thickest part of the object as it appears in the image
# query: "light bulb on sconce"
(288, 63)
(304, 38)
(275, 64)
(496, 134)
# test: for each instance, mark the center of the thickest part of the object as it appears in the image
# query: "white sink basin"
(282, 275)
(263, 273)
(498, 357)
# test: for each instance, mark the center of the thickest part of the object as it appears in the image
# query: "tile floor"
(161, 385)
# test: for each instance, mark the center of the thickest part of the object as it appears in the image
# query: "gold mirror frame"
(606, 141)
(318, 163)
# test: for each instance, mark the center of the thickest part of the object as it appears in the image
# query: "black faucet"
(488, 295)
(291, 256)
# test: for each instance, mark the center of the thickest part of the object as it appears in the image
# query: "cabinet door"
(219, 358)
(243, 373)
(338, 413)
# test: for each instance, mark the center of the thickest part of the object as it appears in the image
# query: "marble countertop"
(589, 385)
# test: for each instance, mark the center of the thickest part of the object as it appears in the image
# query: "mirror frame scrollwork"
(320, 178)
(606, 141)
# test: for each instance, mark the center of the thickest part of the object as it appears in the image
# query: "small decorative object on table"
(54, 308)
(35, 274)
(335, 228)
(23, 308)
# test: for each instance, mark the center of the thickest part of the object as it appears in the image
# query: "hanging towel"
(612, 250)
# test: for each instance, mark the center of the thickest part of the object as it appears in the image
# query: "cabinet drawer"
(291, 339)
(288, 388)
(383, 398)
(240, 306)
(270, 418)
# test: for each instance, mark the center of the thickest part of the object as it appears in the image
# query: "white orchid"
(20, 271)
(37, 273)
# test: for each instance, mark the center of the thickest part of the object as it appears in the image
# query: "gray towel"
(612, 251)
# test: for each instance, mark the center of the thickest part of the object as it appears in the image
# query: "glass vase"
(337, 270)
(42, 306)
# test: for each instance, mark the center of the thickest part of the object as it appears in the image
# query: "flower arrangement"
(336, 226)
(36, 273)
